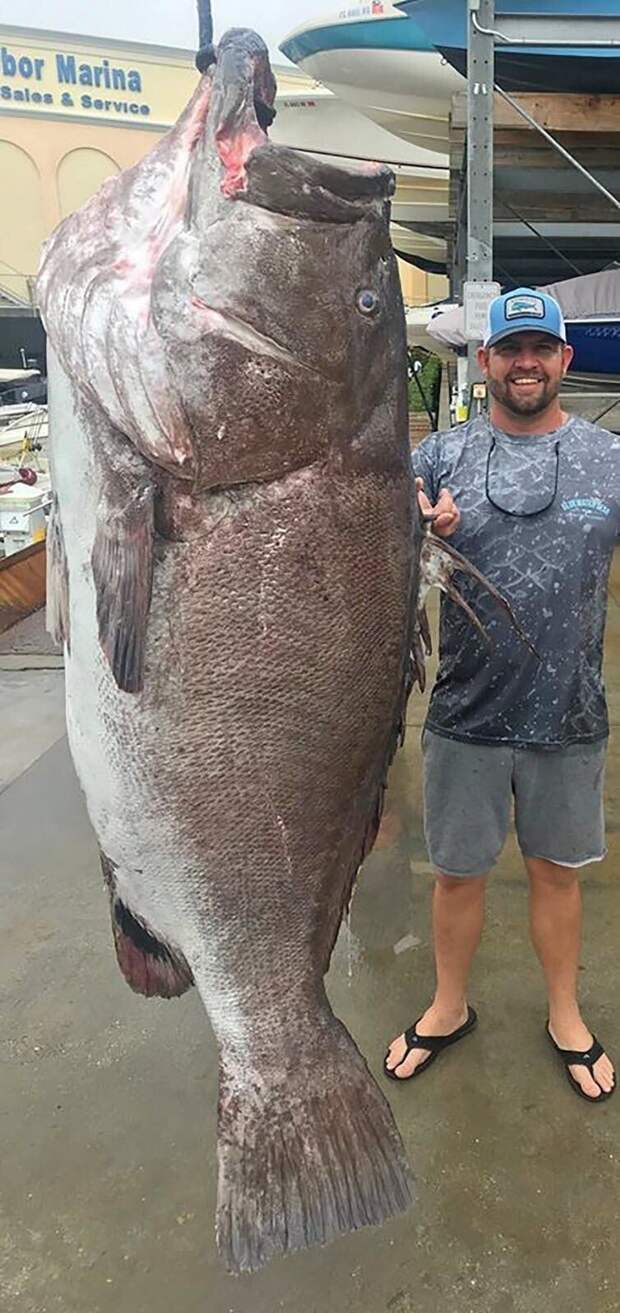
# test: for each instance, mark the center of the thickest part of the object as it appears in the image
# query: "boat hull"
(386, 68)
(596, 344)
(581, 71)
(580, 74)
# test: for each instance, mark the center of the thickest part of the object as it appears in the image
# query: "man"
(538, 498)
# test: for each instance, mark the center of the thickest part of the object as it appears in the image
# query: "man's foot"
(601, 1080)
(436, 1023)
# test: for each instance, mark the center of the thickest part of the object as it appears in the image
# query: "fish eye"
(367, 302)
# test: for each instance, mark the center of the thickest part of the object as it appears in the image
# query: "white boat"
(418, 319)
(374, 58)
(312, 118)
(24, 437)
(15, 376)
(386, 65)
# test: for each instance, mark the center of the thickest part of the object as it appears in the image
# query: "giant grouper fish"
(234, 561)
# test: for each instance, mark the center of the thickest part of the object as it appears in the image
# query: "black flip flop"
(433, 1044)
(574, 1058)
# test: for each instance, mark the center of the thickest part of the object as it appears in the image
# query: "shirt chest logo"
(586, 508)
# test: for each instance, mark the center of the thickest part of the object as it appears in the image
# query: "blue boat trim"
(389, 34)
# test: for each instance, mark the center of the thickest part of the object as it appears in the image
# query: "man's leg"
(556, 927)
(458, 918)
(467, 799)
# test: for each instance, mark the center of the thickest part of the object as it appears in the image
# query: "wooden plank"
(584, 145)
(555, 207)
(565, 113)
(507, 157)
(557, 112)
(22, 585)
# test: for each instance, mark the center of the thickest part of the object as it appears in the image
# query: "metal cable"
(557, 146)
(503, 39)
(547, 240)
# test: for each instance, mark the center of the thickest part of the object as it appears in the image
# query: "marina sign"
(77, 81)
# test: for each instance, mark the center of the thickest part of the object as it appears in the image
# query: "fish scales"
(237, 554)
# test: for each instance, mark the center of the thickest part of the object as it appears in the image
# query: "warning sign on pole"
(477, 298)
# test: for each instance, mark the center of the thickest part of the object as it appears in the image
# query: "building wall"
(63, 132)
(60, 139)
(51, 170)
(420, 288)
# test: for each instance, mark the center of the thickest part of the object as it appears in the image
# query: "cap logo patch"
(521, 307)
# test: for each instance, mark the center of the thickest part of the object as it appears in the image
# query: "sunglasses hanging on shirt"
(520, 486)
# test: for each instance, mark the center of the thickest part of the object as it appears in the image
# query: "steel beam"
(480, 124)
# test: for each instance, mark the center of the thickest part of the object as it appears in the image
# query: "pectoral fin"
(122, 564)
(440, 561)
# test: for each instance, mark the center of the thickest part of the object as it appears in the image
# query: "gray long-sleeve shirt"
(552, 566)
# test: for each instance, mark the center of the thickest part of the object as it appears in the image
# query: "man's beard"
(524, 405)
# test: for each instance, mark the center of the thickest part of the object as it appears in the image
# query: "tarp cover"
(595, 296)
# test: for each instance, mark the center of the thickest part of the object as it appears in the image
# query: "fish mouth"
(243, 103)
(286, 181)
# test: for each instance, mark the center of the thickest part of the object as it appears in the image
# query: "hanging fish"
(234, 567)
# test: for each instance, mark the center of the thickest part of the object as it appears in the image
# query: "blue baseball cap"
(524, 310)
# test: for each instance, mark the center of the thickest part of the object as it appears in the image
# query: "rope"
(206, 53)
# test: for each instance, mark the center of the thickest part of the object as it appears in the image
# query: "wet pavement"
(107, 1101)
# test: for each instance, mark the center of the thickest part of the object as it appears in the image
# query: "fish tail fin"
(310, 1156)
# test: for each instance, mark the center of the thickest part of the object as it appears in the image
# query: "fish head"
(279, 304)
(231, 305)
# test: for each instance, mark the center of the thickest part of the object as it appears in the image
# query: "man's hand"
(446, 515)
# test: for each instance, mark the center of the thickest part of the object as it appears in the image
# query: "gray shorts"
(469, 789)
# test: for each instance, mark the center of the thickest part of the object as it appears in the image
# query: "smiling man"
(533, 499)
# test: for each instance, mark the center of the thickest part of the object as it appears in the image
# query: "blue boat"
(596, 343)
(585, 70)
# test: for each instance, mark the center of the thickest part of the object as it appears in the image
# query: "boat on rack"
(580, 69)
(591, 308)
(376, 59)
(596, 343)
(399, 64)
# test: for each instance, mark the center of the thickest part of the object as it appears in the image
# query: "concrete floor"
(107, 1102)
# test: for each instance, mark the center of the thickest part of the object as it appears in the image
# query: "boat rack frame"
(516, 169)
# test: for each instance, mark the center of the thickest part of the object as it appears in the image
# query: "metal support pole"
(480, 123)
